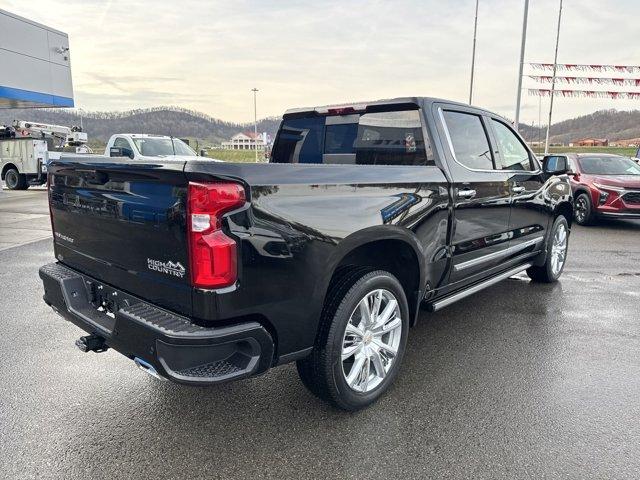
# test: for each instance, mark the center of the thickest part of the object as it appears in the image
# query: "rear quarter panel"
(301, 220)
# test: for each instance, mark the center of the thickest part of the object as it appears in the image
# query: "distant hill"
(610, 124)
(174, 121)
(179, 122)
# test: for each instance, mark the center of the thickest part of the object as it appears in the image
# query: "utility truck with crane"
(27, 147)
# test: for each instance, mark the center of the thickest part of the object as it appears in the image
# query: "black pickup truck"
(203, 272)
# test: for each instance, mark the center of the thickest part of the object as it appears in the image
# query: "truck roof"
(361, 106)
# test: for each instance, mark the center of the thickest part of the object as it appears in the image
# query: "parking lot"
(519, 381)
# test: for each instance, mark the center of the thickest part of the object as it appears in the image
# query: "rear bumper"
(174, 346)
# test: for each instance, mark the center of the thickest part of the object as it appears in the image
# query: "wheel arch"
(565, 209)
(7, 167)
(581, 190)
(388, 248)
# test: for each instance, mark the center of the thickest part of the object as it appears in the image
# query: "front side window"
(469, 140)
(122, 143)
(514, 154)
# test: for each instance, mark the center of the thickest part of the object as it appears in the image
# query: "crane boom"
(72, 136)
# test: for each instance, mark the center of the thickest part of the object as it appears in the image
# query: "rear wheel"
(361, 341)
(583, 210)
(556, 253)
(14, 180)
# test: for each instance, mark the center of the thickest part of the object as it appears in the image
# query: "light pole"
(255, 121)
(522, 48)
(553, 81)
(473, 53)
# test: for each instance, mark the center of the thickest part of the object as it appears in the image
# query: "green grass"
(627, 152)
(244, 156)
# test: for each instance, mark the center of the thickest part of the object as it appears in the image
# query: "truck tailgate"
(124, 223)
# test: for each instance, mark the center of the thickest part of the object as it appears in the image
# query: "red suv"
(603, 185)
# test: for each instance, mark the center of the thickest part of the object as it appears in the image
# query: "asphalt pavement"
(519, 381)
(24, 217)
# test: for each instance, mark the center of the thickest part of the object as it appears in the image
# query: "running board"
(446, 301)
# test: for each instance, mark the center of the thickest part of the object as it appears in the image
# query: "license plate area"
(100, 305)
(105, 299)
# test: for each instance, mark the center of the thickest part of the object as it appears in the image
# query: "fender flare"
(364, 237)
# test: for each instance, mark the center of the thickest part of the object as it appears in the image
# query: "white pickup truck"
(148, 147)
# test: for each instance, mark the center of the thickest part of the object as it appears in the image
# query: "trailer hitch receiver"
(92, 343)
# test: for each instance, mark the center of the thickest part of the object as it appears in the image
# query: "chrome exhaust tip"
(148, 368)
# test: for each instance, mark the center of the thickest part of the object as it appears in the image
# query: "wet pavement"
(24, 217)
(519, 381)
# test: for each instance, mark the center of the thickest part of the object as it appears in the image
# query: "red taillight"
(212, 254)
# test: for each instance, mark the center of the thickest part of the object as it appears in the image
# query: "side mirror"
(116, 152)
(203, 153)
(554, 165)
(128, 152)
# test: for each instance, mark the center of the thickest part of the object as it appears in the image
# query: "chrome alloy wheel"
(371, 340)
(559, 249)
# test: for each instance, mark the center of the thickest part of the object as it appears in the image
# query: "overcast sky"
(207, 55)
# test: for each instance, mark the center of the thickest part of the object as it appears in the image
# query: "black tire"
(583, 210)
(549, 273)
(14, 180)
(322, 371)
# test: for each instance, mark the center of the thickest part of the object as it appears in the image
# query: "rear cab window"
(377, 138)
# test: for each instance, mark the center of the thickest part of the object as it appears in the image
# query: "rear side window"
(381, 138)
(469, 140)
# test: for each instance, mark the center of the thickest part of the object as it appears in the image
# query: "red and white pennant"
(631, 82)
(543, 92)
(585, 67)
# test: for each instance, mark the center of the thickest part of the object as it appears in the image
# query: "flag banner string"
(586, 68)
(543, 92)
(631, 82)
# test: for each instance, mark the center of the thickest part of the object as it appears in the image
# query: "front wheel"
(583, 210)
(558, 244)
(361, 341)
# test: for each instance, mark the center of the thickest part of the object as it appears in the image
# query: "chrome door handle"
(517, 189)
(466, 193)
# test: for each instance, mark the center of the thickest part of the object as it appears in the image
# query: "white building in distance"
(245, 141)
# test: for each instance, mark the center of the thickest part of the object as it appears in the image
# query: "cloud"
(208, 55)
